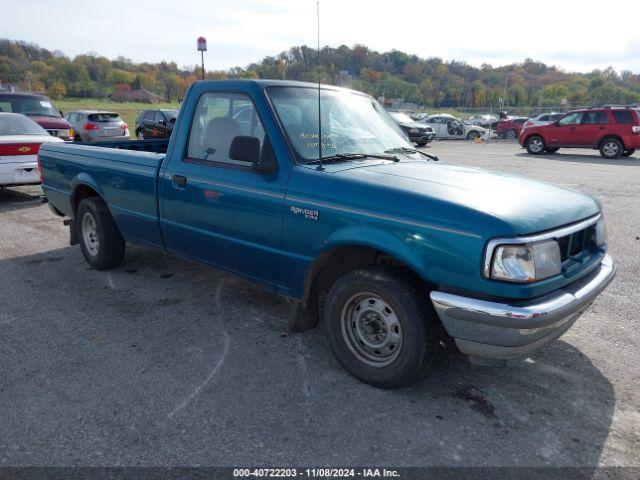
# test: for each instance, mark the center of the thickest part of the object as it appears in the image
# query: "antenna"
(319, 167)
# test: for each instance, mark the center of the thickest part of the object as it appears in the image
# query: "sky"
(567, 34)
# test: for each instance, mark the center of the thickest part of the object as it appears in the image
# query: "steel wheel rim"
(90, 234)
(371, 329)
(511, 134)
(610, 149)
(536, 145)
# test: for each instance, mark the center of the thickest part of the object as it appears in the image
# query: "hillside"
(430, 82)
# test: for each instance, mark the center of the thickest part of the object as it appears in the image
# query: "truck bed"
(126, 179)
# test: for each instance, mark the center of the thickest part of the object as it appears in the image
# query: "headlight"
(64, 133)
(413, 130)
(526, 262)
(601, 232)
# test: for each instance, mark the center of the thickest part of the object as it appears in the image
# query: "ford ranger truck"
(393, 248)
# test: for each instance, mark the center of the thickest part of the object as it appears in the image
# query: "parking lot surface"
(164, 362)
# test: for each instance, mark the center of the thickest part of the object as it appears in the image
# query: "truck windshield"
(26, 105)
(352, 123)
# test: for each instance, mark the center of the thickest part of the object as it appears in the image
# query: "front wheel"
(380, 327)
(472, 135)
(628, 153)
(535, 145)
(100, 240)
(611, 148)
(421, 144)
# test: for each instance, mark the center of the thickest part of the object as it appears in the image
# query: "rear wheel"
(100, 240)
(380, 327)
(140, 134)
(628, 153)
(511, 134)
(611, 148)
(534, 145)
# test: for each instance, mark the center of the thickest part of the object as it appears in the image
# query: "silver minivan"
(97, 126)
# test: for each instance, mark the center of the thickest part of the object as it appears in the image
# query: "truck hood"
(528, 206)
(57, 123)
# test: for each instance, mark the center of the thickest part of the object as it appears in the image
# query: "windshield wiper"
(412, 150)
(340, 157)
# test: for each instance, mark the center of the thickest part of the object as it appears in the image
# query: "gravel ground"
(164, 362)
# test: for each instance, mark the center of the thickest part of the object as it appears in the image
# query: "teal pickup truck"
(395, 250)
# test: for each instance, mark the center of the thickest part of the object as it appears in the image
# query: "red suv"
(615, 131)
(510, 127)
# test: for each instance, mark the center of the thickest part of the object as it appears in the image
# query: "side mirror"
(245, 149)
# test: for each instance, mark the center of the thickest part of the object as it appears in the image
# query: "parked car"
(510, 127)
(418, 133)
(97, 125)
(155, 123)
(40, 109)
(392, 246)
(448, 126)
(615, 131)
(542, 119)
(20, 140)
(483, 120)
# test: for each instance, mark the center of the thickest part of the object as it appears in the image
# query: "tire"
(140, 134)
(99, 237)
(611, 148)
(369, 304)
(535, 145)
(551, 149)
(77, 138)
(628, 153)
(472, 135)
(511, 134)
(421, 144)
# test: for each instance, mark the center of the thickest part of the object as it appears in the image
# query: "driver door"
(565, 132)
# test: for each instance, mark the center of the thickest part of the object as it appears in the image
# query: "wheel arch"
(346, 251)
(83, 187)
(611, 135)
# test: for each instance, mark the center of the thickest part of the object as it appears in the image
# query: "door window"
(595, 117)
(571, 119)
(219, 118)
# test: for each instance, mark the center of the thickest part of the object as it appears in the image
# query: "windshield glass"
(351, 122)
(37, 106)
(401, 117)
(19, 125)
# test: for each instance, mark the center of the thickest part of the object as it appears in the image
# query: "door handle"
(179, 180)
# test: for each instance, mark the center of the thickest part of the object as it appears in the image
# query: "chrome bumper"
(491, 332)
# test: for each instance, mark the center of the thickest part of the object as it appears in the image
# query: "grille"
(575, 244)
(52, 132)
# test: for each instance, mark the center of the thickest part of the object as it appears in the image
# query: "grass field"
(128, 111)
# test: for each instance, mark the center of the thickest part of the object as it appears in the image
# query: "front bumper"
(421, 137)
(491, 332)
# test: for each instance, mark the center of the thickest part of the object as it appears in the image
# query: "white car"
(448, 126)
(482, 120)
(543, 119)
(20, 140)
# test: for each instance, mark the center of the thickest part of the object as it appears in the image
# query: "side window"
(218, 119)
(543, 118)
(5, 106)
(159, 117)
(571, 119)
(623, 116)
(595, 117)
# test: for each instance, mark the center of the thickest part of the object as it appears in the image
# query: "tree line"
(429, 82)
